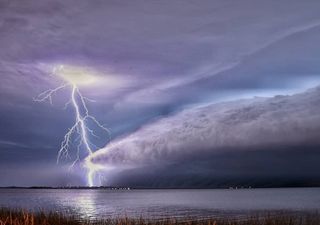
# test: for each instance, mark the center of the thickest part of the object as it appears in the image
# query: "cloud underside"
(265, 138)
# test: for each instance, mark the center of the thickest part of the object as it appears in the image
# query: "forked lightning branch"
(80, 133)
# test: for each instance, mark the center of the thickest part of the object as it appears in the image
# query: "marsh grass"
(21, 217)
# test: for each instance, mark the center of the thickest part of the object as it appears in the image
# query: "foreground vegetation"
(19, 217)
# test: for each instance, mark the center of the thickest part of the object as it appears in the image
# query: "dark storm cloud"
(205, 141)
(168, 55)
(263, 168)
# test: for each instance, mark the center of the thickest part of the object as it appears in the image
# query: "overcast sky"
(158, 60)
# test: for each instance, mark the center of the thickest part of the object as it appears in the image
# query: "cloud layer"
(198, 137)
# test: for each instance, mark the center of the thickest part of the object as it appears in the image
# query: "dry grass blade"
(20, 217)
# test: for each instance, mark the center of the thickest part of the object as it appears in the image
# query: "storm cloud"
(204, 138)
(169, 56)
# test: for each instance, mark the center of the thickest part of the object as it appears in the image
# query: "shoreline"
(134, 188)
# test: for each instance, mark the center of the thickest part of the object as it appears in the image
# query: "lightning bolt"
(80, 131)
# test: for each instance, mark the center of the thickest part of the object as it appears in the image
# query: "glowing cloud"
(76, 75)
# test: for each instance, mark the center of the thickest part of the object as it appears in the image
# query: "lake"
(163, 203)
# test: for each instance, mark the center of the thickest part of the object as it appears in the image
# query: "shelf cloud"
(203, 136)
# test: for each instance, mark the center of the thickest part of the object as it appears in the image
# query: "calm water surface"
(162, 203)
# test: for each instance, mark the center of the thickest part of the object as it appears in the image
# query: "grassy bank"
(19, 217)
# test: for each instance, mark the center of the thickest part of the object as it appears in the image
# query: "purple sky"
(168, 56)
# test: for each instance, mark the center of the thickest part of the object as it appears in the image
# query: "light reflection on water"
(86, 204)
(162, 203)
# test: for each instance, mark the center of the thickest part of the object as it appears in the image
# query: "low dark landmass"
(20, 217)
(71, 187)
